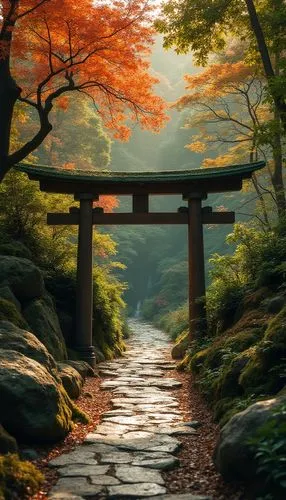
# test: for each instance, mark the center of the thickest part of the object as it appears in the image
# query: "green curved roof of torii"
(198, 181)
(40, 172)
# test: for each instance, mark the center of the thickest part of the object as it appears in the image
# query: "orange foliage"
(69, 165)
(227, 107)
(197, 147)
(108, 203)
(215, 81)
(97, 47)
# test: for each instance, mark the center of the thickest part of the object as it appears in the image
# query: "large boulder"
(71, 380)
(234, 456)
(16, 339)
(34, 406)
(43, 321)
(22, 276)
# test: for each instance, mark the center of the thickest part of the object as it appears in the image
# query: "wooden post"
(197, 313)
(84, 291)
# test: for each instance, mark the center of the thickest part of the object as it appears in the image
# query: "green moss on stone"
(18, 479)
(80, 416)
(228, 384)
(264, 372)
(9, 312)
(181, 345)
(184, 363)
(244, 339)
(197, 361)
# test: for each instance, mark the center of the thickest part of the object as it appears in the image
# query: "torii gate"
(86, 186)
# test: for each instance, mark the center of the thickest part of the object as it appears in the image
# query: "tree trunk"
(278, 99)
(9, 93)
(9, 90)
(252, 158)
(277, 175)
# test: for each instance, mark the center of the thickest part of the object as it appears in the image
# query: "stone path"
(136, 440)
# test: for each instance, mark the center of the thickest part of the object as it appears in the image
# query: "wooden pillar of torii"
(194, 215)
(197, 290)
(84, 283)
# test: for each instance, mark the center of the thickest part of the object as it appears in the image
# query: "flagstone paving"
(136, 440)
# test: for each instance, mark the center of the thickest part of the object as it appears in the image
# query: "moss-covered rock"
(222, 407)
(71, 380)
(243, 339)
(18, 479)
(181, 345)
(9, 312)
(274, 304)
(15, 249)
(184, 363)
(6, 293)
(197, 360)
(252, 301)
(82, 367)
(263, 373)
(8, 444)
(17, 339)
(43, 321)
(22, 276)
(234, 456)
(34, 406)
(251, 320)
(228, 382)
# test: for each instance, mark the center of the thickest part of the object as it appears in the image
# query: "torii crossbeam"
(86, 186)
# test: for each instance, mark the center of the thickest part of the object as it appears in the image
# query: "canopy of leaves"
(100, 49)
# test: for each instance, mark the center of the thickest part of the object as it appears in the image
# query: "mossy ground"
(245, 362)
(18, 479)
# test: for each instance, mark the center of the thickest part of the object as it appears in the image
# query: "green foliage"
(18, 479)
(200, 26)
(108, 325)
(243, 357)
(77, 137)
(23, 211)
(256, 262)
(269, 446)
(175, 322)
(9, 312)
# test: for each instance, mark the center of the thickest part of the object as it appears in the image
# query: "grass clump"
(18, 479)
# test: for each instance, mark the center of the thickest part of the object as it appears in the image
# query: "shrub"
(175, 322)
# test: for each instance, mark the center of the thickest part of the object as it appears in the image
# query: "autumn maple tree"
(97, 48)
(228, 106)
